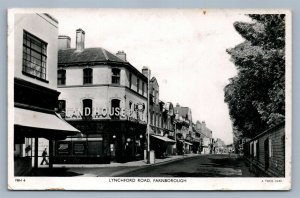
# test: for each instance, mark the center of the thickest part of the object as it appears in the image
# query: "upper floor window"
(61, 77)
(34, 56)
(87, 105)
(87, 76)
(138, 85)
(130, 80)
(143, 88)
(115, 103)
(115, 77)
(62, 108)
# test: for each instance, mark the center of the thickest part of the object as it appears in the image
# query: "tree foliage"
(256, 96)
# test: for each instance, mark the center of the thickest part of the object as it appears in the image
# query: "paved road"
(201, 166)
(197, 166)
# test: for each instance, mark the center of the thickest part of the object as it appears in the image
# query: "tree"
(256, 96)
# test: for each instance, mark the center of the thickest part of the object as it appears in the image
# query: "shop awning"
(40, 124)
(163, 138)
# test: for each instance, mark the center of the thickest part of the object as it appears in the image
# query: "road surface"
(200, 166)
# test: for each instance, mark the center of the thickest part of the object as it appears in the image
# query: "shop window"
(115, 103)
(87, 107)
(61, 77)
(87, 76)
(138, 85)
(115, 78)
(34, 56)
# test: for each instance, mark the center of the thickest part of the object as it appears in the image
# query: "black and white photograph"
(149, 99)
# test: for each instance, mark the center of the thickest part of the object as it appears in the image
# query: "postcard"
(149, 99)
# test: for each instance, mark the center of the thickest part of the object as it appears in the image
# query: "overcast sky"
(185, 50)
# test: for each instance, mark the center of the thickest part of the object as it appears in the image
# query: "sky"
(184, 49)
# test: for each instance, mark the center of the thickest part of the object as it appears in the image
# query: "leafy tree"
(256, 96)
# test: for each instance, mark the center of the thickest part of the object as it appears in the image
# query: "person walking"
(44, 155)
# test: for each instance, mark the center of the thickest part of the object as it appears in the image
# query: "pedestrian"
(44, 155)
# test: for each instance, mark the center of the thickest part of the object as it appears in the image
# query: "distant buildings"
(205, 137)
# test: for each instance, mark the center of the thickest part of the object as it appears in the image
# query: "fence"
(265, 153)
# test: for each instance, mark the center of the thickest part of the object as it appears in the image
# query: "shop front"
(102, 141)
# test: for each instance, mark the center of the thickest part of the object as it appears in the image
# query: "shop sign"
(79, 148)
(63, 148)
(106, 113)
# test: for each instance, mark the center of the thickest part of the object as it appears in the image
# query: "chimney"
(121, 55)
(80, 35)
(146, 72)
(63, 42)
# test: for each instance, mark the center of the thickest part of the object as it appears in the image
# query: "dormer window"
(115, 78)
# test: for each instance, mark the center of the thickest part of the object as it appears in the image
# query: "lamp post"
(148, 117)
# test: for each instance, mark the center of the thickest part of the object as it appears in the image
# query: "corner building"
(105, 97)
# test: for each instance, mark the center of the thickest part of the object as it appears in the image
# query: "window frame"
(138, 85)
(87, 77)
(115, 76)
(61, 79)
(84, 106)
(130, 80)
(33, 49)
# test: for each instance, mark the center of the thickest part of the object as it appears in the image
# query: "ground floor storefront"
(103, 141)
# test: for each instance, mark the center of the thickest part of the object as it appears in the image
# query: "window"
(130, 80)
(138, 85)
(87, 108)
(143, 88)
(34, 56)
(115, 103)
(87, 76)
(115, 78)
(61, 106)
(61, 77)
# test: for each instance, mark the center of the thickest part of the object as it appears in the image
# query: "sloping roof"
(182, 111)
(98, 54)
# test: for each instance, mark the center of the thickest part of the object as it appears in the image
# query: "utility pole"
(148, 117)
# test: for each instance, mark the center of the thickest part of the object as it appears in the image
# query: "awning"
(163, 138)
(40, 124)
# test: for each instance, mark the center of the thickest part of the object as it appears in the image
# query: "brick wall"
(269, 158)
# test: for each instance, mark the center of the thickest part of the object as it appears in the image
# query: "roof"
(182, 111)
(92, 55)
(99, 54)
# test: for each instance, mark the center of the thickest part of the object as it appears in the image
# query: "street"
(200, 166)
(195, 166)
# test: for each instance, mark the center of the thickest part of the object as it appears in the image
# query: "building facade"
(36, 125)
(161, 116)
(206, 140)
(184, 129)
(105, 97)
